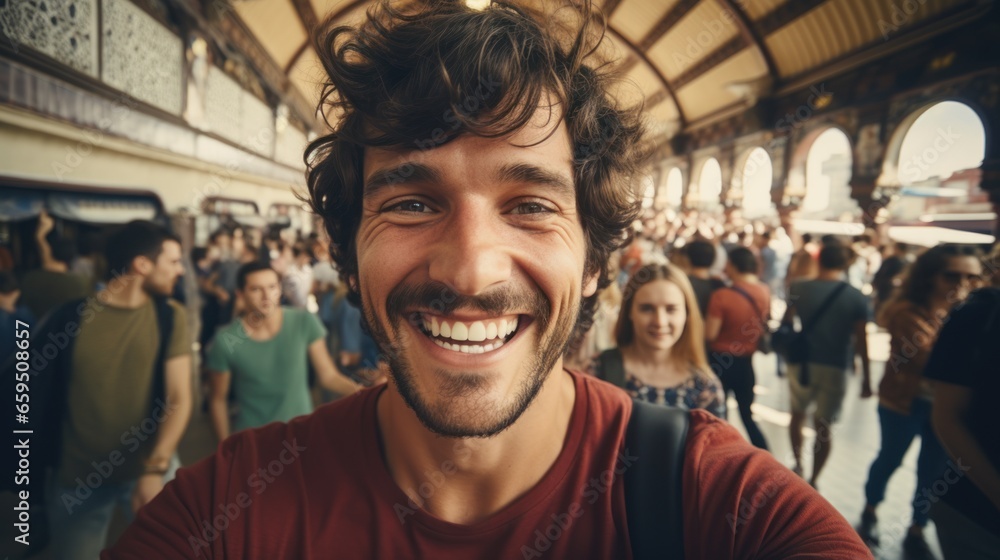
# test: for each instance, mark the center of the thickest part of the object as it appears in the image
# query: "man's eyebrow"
(406, 172)
(528, 173)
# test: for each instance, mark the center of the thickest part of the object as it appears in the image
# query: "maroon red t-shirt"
(318, 488)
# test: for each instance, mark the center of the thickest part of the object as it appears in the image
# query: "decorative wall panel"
(65, 30)
(290, 147)
(140, 56)
(222, 104)
(257, 125)
(237, 115)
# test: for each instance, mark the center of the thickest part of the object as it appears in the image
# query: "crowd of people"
(832, 289)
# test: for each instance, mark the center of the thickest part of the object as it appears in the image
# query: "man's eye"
(531, 208)
(408, 207)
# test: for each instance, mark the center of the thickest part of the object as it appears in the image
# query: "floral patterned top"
(701, 390)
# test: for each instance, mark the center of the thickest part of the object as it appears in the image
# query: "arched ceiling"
(691, 61)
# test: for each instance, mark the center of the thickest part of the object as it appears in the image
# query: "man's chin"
(466, 404)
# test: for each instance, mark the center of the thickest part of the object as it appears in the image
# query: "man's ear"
(590, 284)
(142, 265)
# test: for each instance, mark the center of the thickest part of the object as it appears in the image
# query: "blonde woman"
(660, 352)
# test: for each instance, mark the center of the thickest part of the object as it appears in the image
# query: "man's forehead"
(534, 154)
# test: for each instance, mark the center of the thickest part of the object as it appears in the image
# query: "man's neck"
(261, 327)
(487, 474)
(827, 274)
(125, 292)
(746, 278)
(702, 273)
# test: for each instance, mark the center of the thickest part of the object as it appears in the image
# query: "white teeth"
(469, 349)
(477, 332)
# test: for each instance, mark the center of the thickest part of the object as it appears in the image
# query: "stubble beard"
(463, 408)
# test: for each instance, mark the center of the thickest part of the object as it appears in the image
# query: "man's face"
(162, 274)
(471, 273)
(262, 293)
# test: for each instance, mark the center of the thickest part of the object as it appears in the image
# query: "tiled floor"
(855, 443)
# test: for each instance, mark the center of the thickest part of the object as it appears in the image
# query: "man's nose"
(471, 255)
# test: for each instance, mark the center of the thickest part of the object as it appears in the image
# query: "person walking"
(834, 316)
(939, 279)
(737, 318)
(265, 354)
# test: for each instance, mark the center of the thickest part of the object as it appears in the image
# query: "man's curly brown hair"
(420, 75)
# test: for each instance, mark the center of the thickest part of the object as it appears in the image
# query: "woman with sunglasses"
(660, 353)
(939, 279)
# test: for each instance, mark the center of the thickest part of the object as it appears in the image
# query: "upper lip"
(466, 318)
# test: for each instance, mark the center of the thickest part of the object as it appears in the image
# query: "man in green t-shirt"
(264, 353)
(117, 438)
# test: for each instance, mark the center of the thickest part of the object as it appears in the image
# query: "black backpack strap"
(612, 367)
(165, 324)
(749, 298)
(654, 510)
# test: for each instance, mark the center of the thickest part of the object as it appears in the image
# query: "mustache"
(438, 298)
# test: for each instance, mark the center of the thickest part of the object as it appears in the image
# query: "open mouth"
(470, 337)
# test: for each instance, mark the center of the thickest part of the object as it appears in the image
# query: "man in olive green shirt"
(116, 442)
(264, 353)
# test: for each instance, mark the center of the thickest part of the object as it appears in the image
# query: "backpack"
(51, 353)
(794, 345)
(653, 489)
(653, 484)
(611, 367)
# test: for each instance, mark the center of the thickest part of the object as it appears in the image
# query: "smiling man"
(474, 187)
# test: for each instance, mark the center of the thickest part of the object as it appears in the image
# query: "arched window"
(710, 183)
(828, 173)
(648, 190)
(757, 177)
(946, 139)
(675, 187)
